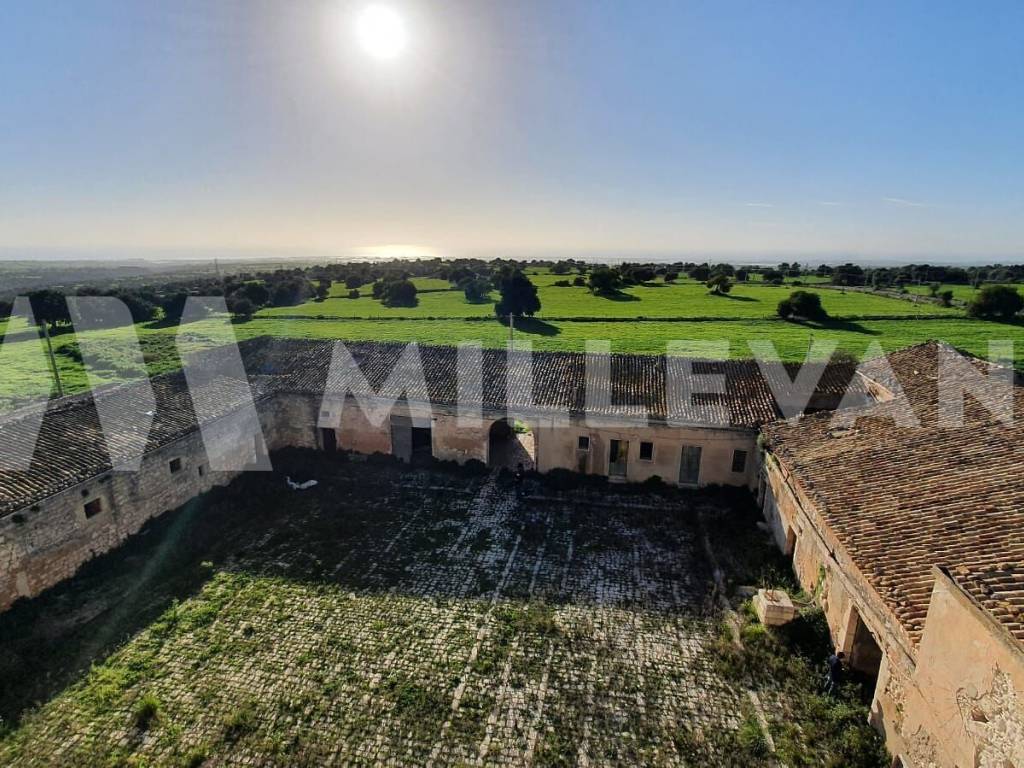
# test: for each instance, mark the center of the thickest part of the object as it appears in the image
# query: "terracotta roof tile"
(901, 500)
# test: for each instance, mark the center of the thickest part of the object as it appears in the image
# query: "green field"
(25, 373)
(685, 299)
(642, 319)
(960, 292)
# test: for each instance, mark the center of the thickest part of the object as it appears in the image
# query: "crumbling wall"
(44, 543)
(460, 442)
(965, 703)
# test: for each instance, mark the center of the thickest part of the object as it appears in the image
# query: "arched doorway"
(509, 444)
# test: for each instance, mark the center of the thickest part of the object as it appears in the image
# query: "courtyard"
(417, 617)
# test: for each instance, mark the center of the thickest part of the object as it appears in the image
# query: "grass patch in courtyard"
(346, 624)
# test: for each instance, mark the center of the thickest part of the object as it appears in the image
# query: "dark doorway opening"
(328, 439)
(618, 457)
(865, 659)
(422, 442)
(509, 445)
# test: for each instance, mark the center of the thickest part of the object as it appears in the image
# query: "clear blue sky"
(888, 129)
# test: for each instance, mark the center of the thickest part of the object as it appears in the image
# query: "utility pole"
(53, 360)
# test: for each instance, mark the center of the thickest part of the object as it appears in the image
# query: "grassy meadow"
(642, 319)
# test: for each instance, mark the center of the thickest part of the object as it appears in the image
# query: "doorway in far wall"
(689, 465)
(328, 440)
(618, 457)
(509, 444)
(863, 655)
(422, 443)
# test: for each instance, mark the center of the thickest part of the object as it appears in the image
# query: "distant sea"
(163, 257)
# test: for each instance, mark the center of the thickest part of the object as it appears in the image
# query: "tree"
(604, 280)
(354, 293)
(353, 281)
(49, 307)
(242, 308)
(848, 274)
(741, 275)
(561, 268)
(256, 292)
(719, 284)
(773, 276)
(933, 289)
(289, 291)
(671, 276)
(173, 306)
(323, 289)
(579, 280)
(723, 269)
(475, 289)
(399, 293)
(518, 296)
(141, 308)
(802, 304)
(946, 298)
(700, 273)
(996, 301)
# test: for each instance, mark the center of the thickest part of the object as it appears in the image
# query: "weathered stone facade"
(45, 543)
(953, 699)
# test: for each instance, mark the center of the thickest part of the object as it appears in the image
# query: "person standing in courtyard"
(834, 676)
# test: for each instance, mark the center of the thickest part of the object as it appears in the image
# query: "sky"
(536, 127)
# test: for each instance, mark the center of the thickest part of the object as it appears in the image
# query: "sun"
(381, 32)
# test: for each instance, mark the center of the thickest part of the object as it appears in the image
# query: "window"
(646, 451)
(175, 465)
(93, 507)
(325, 414)
(202, 470)
(583, 443)
(739, 461)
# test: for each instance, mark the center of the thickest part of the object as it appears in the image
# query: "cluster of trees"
(802, 304)
(996, 302)
(395, 291)
(244, 294)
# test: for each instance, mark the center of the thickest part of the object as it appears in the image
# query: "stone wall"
(455, 441)
(965, 705)
(954, 700)
(48, 542)
(557, 447)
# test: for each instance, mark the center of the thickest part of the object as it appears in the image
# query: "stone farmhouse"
(911, 537)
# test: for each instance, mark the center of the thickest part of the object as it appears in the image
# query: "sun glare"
(381, 32)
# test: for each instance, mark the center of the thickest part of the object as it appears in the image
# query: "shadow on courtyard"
(371, 526)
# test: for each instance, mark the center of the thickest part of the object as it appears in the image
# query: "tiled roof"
(638, 383)
(903, 499)
(999, 589)
(71, 446)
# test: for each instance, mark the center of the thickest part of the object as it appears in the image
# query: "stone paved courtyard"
(397, 617)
